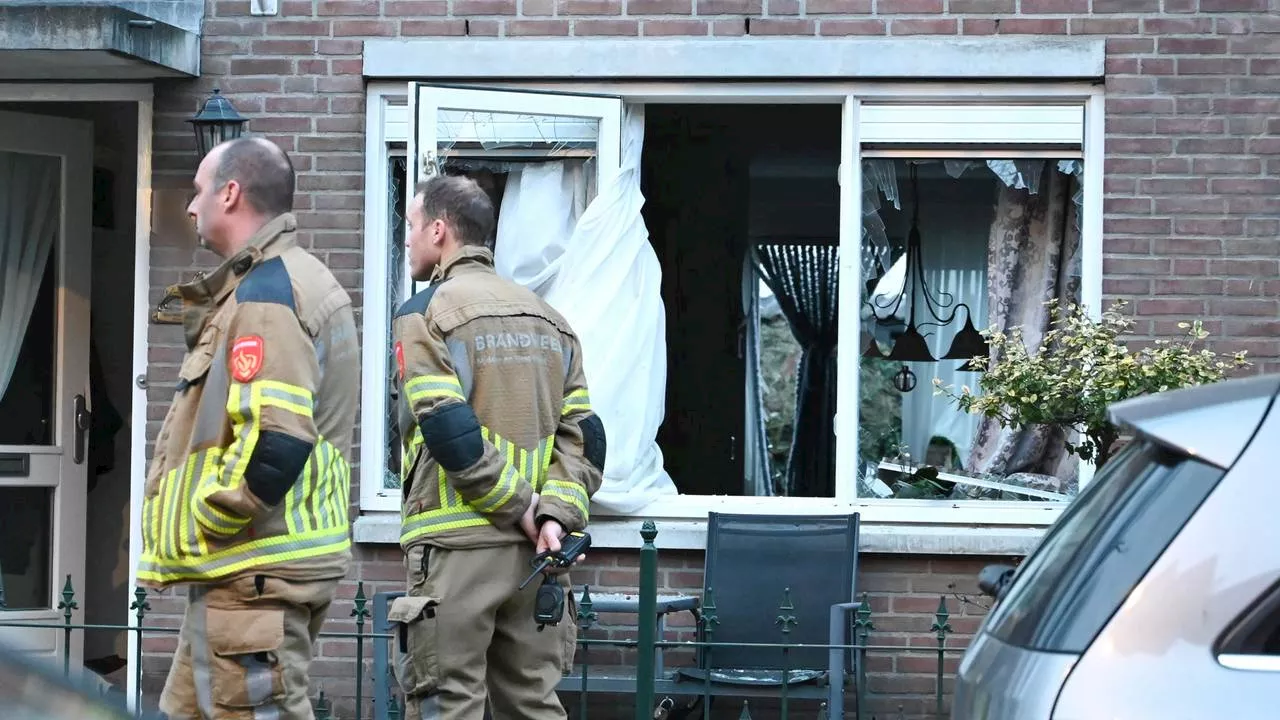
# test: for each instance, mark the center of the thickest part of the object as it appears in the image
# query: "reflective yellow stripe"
(544, 460)
(575, 401)
(502, 491)
(169, 553)
(253, 553)
(440, 520)
(570, 492)
(425, 387)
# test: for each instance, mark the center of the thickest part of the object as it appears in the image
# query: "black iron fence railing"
(832, 690)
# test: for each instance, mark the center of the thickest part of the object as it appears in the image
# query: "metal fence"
(651, 684)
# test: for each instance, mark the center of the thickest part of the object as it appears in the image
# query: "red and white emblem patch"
(246, 357)
(400, 359)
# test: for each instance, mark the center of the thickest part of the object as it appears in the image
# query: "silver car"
(1156, 595)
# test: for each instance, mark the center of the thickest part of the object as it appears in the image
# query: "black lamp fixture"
(910, 346)
(216, 122)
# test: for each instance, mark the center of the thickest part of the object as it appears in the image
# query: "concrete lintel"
(80, 42)
(885, 58)
(384, 528)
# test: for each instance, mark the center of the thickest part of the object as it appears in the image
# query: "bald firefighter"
(502, 454)
(246, 495)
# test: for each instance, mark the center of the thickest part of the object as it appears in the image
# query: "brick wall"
(1192, 221)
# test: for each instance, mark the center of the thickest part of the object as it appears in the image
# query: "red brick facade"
(1192, 220)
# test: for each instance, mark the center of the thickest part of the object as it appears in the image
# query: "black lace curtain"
(804, 280)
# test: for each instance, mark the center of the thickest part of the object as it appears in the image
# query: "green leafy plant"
(1081, 367)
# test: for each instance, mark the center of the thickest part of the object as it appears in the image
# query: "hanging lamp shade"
(911, 347)
(968, 345)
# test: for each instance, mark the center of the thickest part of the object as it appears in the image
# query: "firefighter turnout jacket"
(493, 408)
(250, 473)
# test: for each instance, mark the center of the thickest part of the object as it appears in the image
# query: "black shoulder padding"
(276, 462)
(593, 441)
(418, 303)
(452, 436)
(267, 283)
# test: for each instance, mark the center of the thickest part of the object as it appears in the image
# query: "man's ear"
(232, 194)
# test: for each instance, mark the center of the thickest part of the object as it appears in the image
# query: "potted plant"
(1080, 368)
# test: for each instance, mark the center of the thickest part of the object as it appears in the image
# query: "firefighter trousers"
(466, 634)
(245, 649)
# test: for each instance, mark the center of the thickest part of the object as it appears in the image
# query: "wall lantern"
(216, 122)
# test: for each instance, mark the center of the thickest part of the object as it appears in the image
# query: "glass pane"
(26, 547)
(520, 157)
(950, 248)
(29, 215)
(395, 296)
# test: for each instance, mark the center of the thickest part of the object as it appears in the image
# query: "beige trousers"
(244, 650)
(465, 634)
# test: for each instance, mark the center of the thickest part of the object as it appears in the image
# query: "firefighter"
(246, 494)
(501, 455)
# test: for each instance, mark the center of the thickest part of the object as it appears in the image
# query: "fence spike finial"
(786, 613)
(648, 532)
(940, 618)
(66, 606)
(586, 614)
(322, 707)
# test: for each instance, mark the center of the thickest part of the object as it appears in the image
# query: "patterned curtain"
(1033, 250)
(803, 278)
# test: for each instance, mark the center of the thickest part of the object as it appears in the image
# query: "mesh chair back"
(752, 559)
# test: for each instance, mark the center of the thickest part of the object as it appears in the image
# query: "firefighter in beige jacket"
(247, 492)
(501, 455)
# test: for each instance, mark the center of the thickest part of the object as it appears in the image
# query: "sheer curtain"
(1029, 254)
(29, 204)
(595, 265)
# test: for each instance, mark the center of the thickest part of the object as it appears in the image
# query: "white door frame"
(142, 94)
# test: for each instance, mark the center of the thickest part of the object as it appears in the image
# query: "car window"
(1100, 548)
(1255, 633)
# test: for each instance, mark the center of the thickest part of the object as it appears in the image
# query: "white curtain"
(597, 268)
(29, 203)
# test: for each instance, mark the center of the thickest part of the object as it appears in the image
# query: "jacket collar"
(205, 293)
(468, 259)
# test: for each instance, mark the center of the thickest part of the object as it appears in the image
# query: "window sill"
(685, 534)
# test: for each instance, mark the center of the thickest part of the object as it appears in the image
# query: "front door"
(46, 166)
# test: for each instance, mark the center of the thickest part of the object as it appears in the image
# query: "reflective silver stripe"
(202, 460)
(257, 685)
(285, 395)
(322, 474)
(527, 467)
(502, 492)
(296, 497)
(169, 518)
(245, 408)
(200, 659)
(441, 520)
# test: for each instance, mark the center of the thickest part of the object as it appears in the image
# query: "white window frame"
(686, 513)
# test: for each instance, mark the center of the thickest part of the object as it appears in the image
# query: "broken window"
(950, 247)
(697, 251)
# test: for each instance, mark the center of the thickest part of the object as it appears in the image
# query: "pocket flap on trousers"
(410, 609)
(245, 632)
